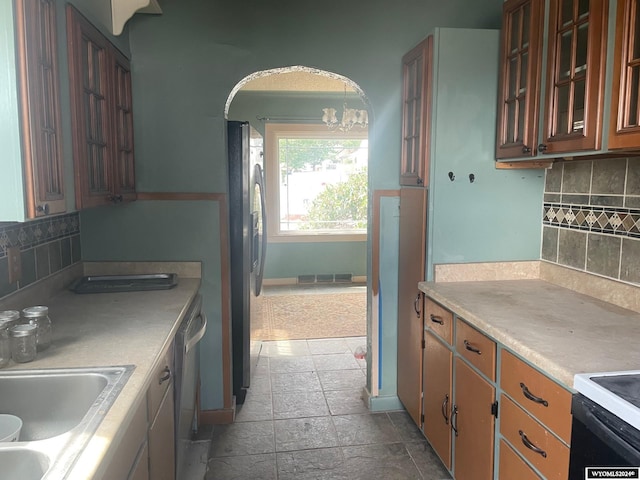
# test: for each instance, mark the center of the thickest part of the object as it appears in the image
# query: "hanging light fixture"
(350, 117)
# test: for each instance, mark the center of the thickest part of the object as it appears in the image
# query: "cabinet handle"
(526, 149)
(115, 198)
(471, 348)
(542, 148)
(527, 443)
(419, 181)
(445, 403)
(166, 376)
(436, 319)
(531, 396)
(416, 305)
(454, 419)
(44, 209)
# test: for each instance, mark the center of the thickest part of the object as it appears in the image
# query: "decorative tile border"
(37, 232)
(610, 220)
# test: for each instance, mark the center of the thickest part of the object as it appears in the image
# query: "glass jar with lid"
(12, 317)
(5, 346)
(23, 342)
(39, 316)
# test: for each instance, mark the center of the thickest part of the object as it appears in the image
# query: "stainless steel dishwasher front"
(187, 374)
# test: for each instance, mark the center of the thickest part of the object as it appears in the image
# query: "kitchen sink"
(22, 463)
(60, 409)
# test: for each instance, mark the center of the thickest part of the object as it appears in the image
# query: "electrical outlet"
(15, 267)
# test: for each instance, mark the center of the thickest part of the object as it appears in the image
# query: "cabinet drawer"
(477, 348)
(538, 394)
(534, 442)
(512, 466)
(161, 380)
(438, 319)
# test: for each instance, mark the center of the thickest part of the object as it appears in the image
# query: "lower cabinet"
(161, 442)
(463, 394)
(473, 424)
(438, 399)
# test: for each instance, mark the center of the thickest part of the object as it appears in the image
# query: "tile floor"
(304, 419)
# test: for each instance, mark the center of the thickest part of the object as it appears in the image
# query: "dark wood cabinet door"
(436, 384)
(40, 106)
(413, 203)
(625, 101)
(101, 115)
(125, 182)
(575, 76)
(519, 82)
(416, 112)
(474, 422)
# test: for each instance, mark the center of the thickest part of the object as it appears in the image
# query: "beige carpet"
(326, 315)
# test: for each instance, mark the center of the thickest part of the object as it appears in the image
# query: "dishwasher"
(187, 375)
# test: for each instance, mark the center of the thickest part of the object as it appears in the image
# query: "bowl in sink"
(60, 409)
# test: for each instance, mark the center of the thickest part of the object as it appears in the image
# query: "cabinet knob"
(526, 149)
(419, 181)
(43, 209)
(542, 148)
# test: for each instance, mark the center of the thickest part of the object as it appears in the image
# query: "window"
(316, 183)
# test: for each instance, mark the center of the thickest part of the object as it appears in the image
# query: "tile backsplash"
(46, 245)
(591, 217)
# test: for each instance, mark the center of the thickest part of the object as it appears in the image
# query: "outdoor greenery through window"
(322, 183)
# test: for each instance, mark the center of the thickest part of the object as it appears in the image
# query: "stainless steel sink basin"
(23, 464)
(60, 409)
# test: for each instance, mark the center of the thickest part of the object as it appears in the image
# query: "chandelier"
(350, 117)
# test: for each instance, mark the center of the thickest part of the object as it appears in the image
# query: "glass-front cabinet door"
(518, 97)
(416, 93)
(575, 76)
(625, 101)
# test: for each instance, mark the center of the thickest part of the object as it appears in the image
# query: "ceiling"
(296, 82)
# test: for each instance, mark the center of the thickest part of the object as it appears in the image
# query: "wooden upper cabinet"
(625, 103)
(40, 106)
(416, 112)
(101, 114)
(575, 76)
(519, 83)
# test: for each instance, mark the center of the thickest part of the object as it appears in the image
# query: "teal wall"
(288, 260)
(185, 63)
(488, 219)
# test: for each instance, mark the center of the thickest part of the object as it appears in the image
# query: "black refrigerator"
(248, 242)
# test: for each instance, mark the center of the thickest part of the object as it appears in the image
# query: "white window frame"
(273, 133)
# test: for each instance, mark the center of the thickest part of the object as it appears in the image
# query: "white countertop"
(110, 329)
(558, 330)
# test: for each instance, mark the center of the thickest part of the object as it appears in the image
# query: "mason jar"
(23, 342)
(39, 316)
(12, 317)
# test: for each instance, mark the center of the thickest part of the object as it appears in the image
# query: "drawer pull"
(445, 403)
(416, 305)
(531, 396)
(527, 443)
(166, 376)
(454, 419)
(471, 348)
(436, 319)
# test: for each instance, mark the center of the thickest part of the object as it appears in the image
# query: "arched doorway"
(302, 99)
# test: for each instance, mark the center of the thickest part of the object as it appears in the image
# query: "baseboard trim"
(222, 416)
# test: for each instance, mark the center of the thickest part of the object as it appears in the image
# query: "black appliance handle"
(263, 237)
